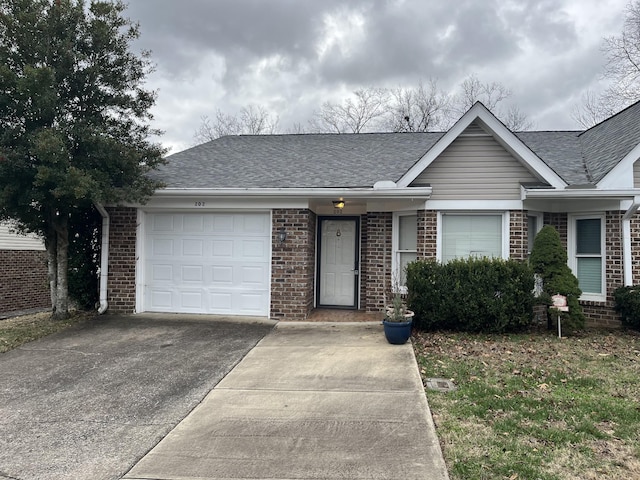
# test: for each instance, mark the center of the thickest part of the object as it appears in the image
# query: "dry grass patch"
(533, 406)
(17, 331)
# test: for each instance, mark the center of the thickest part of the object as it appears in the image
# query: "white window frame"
(506, 239)
(539, 224)
(395, 243)
(573, 257)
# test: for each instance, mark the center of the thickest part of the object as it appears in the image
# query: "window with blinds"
(588, 254)
(406, 245)
(476, 235)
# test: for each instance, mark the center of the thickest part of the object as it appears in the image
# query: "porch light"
(282, 235)
(339, 204)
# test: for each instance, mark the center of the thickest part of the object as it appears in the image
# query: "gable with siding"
(475, 167)
(10, 240)
(636, 174)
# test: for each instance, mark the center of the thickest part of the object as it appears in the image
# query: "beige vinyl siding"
(636, 174)
(475, 166)
(13, 241)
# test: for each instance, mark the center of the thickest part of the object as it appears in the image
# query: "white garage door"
(214, 263)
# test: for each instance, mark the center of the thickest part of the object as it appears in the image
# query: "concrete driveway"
(91, 401)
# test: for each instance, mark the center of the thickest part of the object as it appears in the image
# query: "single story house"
(23, 262)
(278, 225)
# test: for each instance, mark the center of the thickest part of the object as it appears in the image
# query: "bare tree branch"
(252, 120)
(354, 115)
(421, 109)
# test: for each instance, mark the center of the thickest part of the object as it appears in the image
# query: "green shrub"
(549, 260)
(474, 295)
(84, 257)
(628, 305)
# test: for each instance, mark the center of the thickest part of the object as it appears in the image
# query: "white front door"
(338, 274)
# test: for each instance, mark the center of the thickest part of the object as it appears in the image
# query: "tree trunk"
(52, 267)
(61, 308)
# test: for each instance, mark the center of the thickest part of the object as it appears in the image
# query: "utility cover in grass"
(441, 384)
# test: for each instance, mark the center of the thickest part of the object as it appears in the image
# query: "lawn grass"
(17, 331)
(532, 406)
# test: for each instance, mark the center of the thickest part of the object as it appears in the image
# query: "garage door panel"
(193, 223)
(162, 246)
(223, 223)
(163, 223)
(251, 276)
(162, 273)
(256, 224)
(222, 275)
(192, 273)
(253, 249)
(192, 300)
(193, 247)
(207, 263)
(222, 248)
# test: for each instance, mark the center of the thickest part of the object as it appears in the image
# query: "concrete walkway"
(310, 401)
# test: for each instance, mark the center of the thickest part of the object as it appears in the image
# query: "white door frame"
(355, 268)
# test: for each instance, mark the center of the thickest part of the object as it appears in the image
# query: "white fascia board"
(474, 205)
(581, 193)
(621, 176)
(368, 192)
(501, 133)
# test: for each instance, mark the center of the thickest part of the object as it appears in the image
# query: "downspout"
(626, 241)
(104, 259)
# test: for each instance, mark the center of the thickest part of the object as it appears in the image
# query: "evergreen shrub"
(473, 295)
(549, 260)
(628, 305)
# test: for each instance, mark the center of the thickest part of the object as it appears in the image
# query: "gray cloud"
(291, 55)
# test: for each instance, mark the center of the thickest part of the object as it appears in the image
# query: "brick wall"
(559, 221)
(377, 260)
(122, 260)
(635, 248)
(427, 233)
(24, 284)
(518, 241)
(363, 267)
(293, 264)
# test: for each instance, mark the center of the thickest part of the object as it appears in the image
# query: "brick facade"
(293, 264)
(635, 248)
(122, 260)
(28, 287)
(376, 259)
(519, 240)
(427, 241)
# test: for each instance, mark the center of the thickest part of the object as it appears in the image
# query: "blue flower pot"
(397, 333)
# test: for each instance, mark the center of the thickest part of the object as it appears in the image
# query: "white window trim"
(506, 244)
(395, 242)
(573, 259)
(539, 224)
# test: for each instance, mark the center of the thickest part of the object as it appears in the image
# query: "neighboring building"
(251, 225)
(23, 263)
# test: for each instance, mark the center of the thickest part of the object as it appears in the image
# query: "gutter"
(104, 259)
(366, 192)
(626, 241)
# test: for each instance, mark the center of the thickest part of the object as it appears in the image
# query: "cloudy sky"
(290, 56)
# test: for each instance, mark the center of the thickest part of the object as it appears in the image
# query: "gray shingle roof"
(605, 144)
(296, 161)
(561, 151)
(360, 160)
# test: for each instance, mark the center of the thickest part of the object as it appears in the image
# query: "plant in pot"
(398, 320)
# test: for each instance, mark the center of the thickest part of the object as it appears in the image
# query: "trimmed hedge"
(628, 305)
(473, 295)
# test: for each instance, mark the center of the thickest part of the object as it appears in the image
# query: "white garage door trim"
(206, 262)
